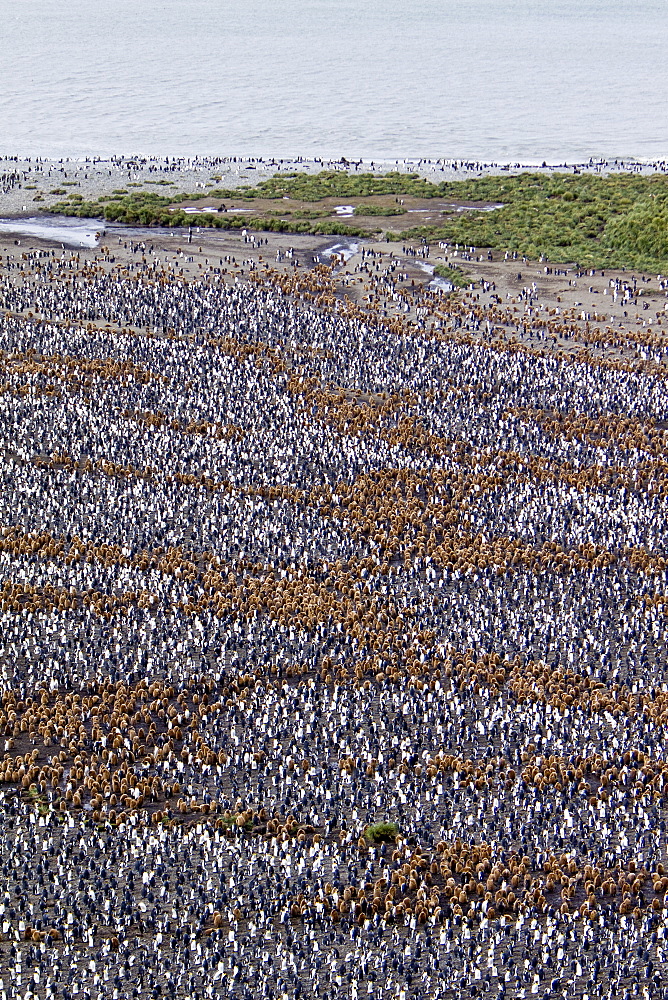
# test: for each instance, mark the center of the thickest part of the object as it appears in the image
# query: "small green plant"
(39, 799)
(229, 823)
(58, 191)
(384, 831)
(70, 184)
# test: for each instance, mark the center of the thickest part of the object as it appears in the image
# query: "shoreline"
(31, 184)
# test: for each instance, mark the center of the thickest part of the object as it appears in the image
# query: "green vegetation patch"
(381, 832)
(369, 209)
(39, 799)
(455, 275)
(147, 208)
(594, 221)
(336, 184)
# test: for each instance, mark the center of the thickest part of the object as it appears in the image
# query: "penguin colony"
(333, 643)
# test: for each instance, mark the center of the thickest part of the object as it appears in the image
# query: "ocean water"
(504, 80)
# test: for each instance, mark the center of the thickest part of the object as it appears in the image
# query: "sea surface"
(503, 80)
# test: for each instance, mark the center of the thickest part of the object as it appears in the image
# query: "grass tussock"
(381, 832)
(370, 209)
